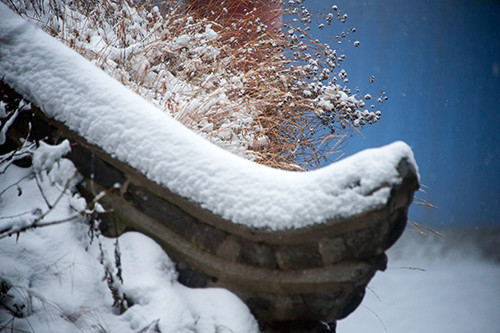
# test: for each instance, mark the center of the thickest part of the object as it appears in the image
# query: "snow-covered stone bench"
(294, 246)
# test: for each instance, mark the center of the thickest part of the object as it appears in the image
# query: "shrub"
(270, 93)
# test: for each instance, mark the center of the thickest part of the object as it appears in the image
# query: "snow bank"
(72, 90)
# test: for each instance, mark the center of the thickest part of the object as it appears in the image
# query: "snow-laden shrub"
(273, 95)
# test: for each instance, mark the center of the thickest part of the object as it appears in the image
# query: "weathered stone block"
(332, 250)
(361, 244)
(298, 257)
(161, 210)
(229, 249)
(207, 237)
(257, 254)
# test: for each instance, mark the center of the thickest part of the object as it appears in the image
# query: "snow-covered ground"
(60, 278)
(435, 285)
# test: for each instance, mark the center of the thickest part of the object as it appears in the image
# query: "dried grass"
(286, 86)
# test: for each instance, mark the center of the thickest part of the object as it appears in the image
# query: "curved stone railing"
(314, 273)
(309, 266)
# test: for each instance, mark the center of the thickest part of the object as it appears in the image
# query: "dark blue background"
(439, 62)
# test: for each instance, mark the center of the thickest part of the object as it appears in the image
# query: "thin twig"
(15, 184)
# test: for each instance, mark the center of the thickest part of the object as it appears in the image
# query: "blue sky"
(439, 62)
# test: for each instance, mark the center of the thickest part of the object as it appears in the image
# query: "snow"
(52, 279)
(432, 286)
(7, 124)
(46, 155)
(142, 57)
(99, 108)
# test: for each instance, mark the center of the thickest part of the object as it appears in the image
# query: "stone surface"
(296, 257)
